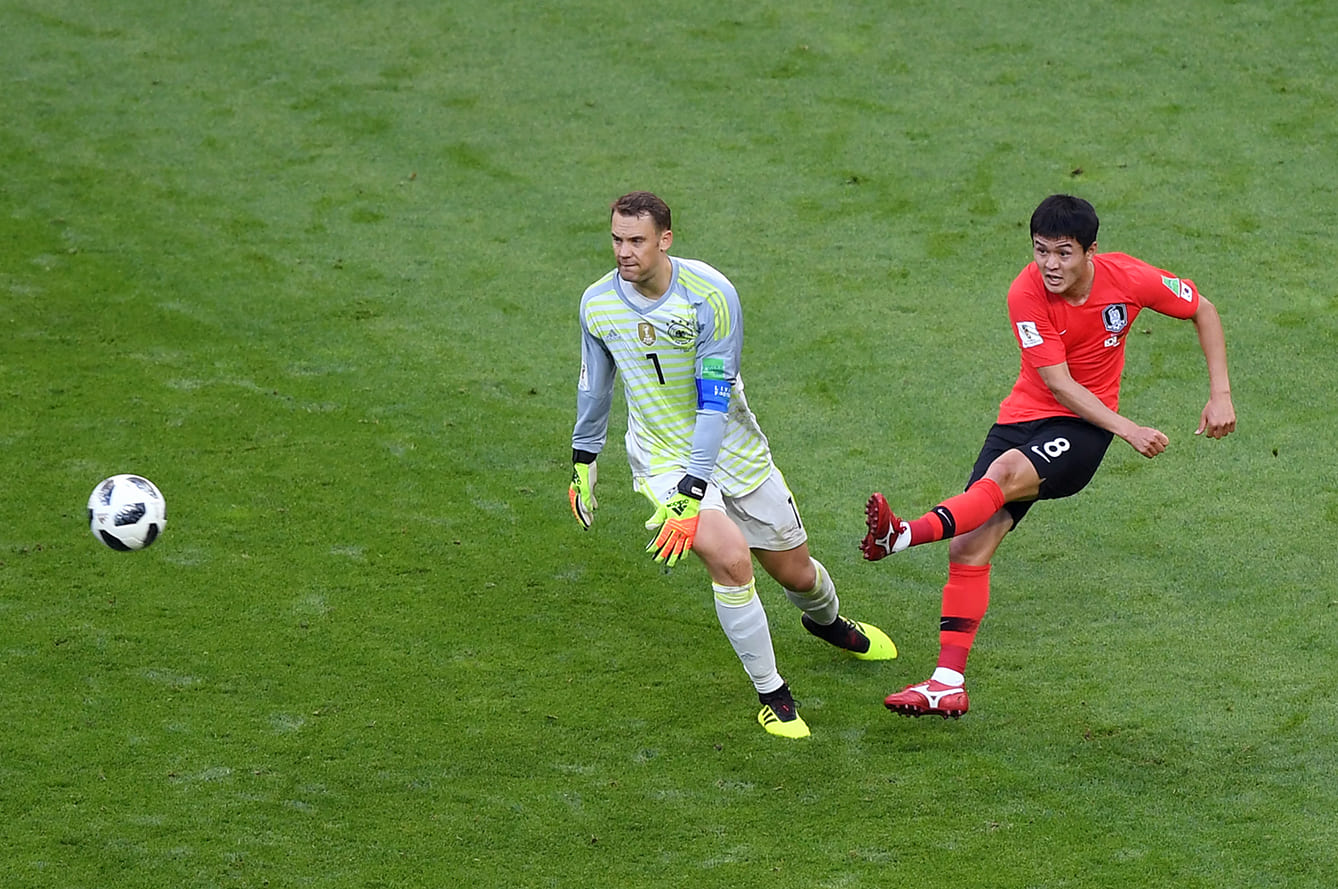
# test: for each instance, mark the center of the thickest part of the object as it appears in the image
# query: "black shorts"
(1066, 452)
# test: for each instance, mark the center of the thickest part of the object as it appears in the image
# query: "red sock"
(957, 515)
(966, 595)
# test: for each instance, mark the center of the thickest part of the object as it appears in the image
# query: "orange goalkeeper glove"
(677, 521)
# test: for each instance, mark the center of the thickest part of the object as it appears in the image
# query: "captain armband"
(713, 395)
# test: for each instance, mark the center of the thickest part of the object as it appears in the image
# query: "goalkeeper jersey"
(660, 347)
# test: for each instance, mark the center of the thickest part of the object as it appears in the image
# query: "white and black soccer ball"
(126, 512)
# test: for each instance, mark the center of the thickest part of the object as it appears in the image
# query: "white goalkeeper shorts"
(767, 515)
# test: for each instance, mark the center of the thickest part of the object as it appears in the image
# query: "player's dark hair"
(1064, 216)
(643, 203)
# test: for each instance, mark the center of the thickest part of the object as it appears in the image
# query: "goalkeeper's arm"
(709, 432)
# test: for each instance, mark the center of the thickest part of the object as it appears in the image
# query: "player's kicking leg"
(887, 533)
(957, 515)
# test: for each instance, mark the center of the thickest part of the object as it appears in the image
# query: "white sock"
(821, 602)
(745, 624)
(948, 677)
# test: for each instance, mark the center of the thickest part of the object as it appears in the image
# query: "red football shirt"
(1090, 337)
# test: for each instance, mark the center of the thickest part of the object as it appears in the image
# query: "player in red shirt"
(1071, 311)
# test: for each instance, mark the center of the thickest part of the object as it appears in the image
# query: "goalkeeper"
(673, 328)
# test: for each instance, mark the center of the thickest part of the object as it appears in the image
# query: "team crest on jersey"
(681, 332)
(1115, 317)
(645, 331)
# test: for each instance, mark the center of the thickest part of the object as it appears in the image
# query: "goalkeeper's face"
(642, 253)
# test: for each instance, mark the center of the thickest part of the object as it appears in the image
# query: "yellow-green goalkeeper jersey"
(693, 333)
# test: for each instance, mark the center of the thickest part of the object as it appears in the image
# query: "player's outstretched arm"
(1218, 418)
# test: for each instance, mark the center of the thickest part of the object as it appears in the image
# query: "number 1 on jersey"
(655, 360)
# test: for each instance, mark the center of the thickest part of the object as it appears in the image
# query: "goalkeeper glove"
(582, 490)
(677, 521)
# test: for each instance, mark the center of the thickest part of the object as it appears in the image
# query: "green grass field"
(313, 268)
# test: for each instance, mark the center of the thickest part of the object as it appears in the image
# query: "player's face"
(641, 253)
(1065, 267)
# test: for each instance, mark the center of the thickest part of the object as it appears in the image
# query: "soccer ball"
(126, 512)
